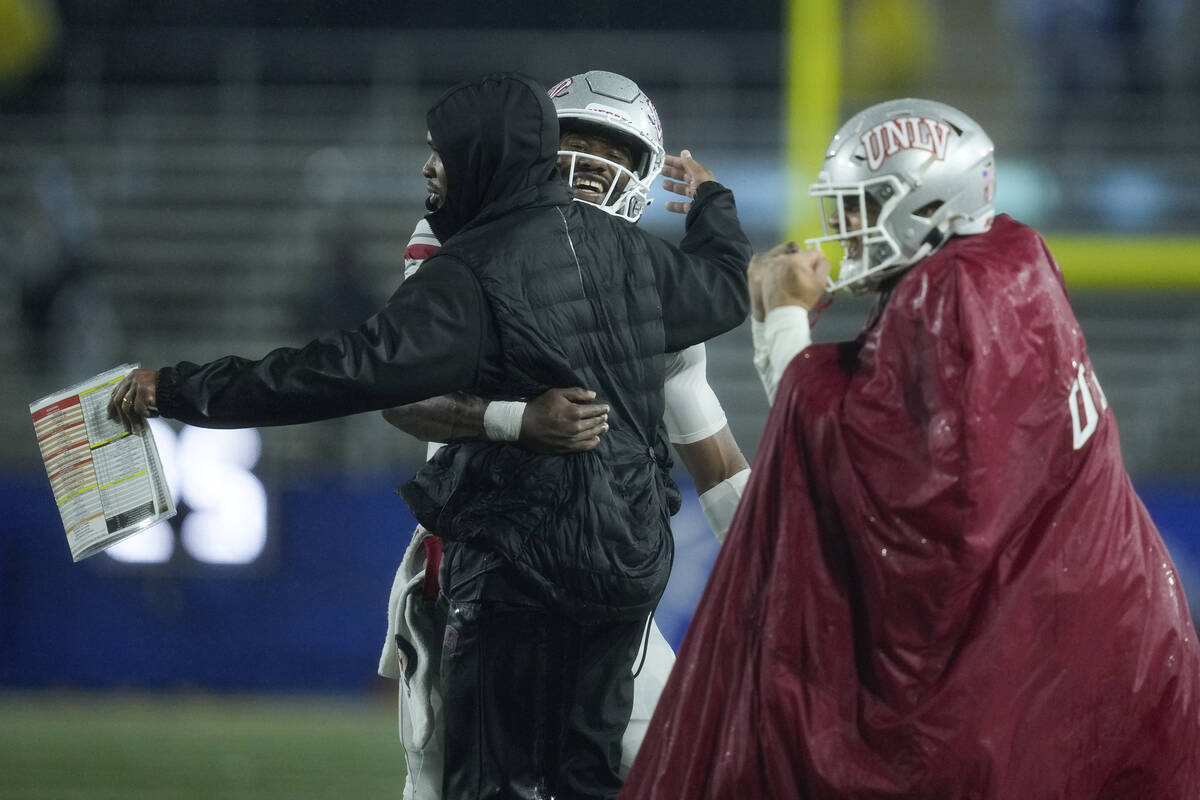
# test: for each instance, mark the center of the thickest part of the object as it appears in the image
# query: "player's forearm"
(449, 418)
(712, 460)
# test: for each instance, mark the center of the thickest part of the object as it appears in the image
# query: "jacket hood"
(498, 140)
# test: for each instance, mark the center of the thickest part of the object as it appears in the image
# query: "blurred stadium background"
(187, 180)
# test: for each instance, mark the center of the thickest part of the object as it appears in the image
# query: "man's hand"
(134, 399)
(686, 174)
(563, 421)
(786, 276)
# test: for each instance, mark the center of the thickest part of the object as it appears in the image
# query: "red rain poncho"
(940, 582)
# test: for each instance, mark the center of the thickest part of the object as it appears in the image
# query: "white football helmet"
(924, 170)
(613, 105)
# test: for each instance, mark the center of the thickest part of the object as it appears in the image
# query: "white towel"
(418, 663)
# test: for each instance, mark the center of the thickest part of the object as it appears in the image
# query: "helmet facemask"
(872, 251)
(627, 194)
(851, 215)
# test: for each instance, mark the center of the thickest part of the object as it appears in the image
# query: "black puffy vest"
(575, 300)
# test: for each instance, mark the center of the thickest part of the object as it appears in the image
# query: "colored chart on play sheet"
(62, 438)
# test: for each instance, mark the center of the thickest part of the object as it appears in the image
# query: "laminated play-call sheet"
(108, 483)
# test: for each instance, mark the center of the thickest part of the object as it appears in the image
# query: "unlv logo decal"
(905, 133)
(560, 88)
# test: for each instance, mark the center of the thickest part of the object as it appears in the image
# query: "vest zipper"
(597, 307)
(571, 244)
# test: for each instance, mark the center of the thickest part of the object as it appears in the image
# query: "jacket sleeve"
(430, 339)
(703, 281)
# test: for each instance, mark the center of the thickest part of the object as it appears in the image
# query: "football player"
(611, 154)
(955, 590)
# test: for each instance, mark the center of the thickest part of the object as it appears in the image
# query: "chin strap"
(825, 302)
(933, 241)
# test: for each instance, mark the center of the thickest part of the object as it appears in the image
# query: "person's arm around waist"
(565, 420)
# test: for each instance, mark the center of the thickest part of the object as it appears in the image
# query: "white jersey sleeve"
(692, 410)
(421, 245)
(777, 340)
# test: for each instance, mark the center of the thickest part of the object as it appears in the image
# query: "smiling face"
(593, 178)
(434, 172)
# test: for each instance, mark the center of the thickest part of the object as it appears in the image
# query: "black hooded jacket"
(529, 290)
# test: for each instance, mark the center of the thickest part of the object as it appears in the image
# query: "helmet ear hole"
(929, 209)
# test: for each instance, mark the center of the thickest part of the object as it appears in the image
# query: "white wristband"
(721, 501)
(502, 420)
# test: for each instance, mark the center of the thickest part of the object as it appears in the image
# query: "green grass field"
(176, 747)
